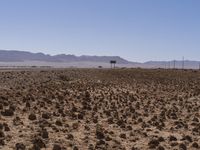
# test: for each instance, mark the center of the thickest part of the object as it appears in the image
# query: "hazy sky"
(138, 30)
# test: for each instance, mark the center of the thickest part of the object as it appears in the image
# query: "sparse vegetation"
(100, 109)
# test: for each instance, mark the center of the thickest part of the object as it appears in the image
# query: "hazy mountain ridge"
(14, 57)
(21, 56)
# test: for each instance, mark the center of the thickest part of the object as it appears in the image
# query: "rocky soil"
(89, 109)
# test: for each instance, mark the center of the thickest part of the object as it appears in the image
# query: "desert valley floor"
(89, 109)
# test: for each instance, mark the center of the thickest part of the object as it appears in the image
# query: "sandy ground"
(87, 109)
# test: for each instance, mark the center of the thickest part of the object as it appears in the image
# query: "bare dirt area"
(88, 109)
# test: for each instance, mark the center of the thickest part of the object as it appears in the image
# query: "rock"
(17, 121)
(122, 135)
(129, 128)
(161, 139)
(2, 135)
(160, 148)
(87, 128)
(20, 146)
(100, 135)
(2, 143)
(75, 148)
(91, 147)
(172, 138)
(140, 120)
(195, 145)
(108, 138)
(134, 148)
(1, 106)
(7, 112)
(153, 143)
(95, 120)
(173, 144)
(57, 147)
(195, 119)
(80, 116)
(12, 107)
(45, 134)
(1, 126)
(110, 121)
(28, 105)
(70, 137)
(182, 146)
(58, 123)
(46, 116)
(75, 126)
(32, 117)
(101, 142)
(38, 143)
(5, 103)
(6, 128)
(188, 138)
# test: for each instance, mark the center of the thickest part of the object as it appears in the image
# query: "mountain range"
(25, 58)
(22, 56)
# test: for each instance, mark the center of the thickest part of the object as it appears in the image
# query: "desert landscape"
(105, 109)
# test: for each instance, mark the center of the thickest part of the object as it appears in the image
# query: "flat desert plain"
(99, 109)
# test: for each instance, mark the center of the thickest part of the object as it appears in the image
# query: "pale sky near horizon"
(137, 30)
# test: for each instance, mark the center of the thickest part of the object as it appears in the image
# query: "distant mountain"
(22, 56)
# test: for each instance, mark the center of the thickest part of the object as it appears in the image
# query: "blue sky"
(138, 30)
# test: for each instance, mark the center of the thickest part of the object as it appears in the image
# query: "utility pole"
(174, 64)
(183, 63)
(199, 65)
